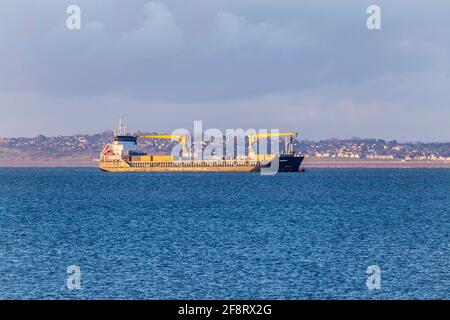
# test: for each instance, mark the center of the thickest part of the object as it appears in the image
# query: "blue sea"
(225, 236)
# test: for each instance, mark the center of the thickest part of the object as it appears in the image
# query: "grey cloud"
(159, 35)
(235, 31)
(200, 55)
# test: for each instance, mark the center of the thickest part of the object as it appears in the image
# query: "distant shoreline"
(309, 162)
(342, 163)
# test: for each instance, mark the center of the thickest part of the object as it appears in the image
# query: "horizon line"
(305, 139)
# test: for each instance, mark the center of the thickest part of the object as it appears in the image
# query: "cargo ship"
(123, 155)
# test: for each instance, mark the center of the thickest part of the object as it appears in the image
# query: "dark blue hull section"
(288, 163)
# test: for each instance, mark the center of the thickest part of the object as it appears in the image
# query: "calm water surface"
(225, 236)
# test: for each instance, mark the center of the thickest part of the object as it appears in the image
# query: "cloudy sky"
(311, 66)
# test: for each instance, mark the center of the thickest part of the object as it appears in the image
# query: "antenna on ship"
(122, 130)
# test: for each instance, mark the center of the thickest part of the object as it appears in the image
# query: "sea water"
(306, 235)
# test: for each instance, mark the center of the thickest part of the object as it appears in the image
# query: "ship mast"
(122, 130)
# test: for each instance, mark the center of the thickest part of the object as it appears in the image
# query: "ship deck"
(197, 163)
(125, 165)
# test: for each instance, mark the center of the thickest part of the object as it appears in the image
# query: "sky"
(307, 66)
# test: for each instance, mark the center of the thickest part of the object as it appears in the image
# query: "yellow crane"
(178, 138)
(252, 138)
